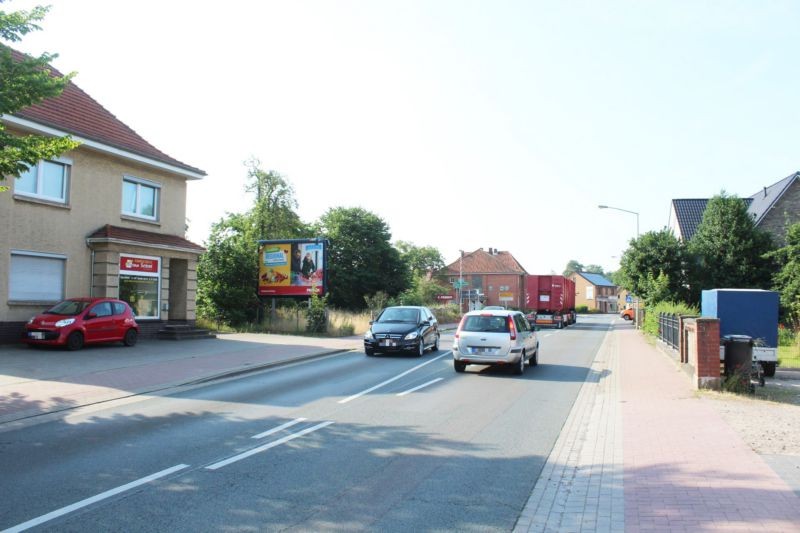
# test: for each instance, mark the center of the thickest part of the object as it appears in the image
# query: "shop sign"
(128, 263)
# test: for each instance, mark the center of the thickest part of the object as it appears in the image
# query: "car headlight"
(31, 320)
(411, 336)
(368, 335)
(65, 322)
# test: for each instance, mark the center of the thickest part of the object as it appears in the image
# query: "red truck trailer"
(550, 300)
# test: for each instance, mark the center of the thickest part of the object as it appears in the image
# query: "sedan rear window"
(488, 324)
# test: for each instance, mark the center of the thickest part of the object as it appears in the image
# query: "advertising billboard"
(292, 267)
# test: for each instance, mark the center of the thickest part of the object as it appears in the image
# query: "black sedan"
(403, 328)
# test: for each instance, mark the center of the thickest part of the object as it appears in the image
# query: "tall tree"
(420, 259)
(654, 267)
(227, 275)
(274, 208)
(572, 267)
(729, 251)
(787, 279)
(26, 81)
(361, 259)
(594, 269)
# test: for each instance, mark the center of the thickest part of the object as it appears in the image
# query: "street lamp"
(626, 211)
(461, 282)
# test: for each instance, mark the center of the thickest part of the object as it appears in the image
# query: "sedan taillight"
(512, 328)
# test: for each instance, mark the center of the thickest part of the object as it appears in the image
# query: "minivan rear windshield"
(488, 324)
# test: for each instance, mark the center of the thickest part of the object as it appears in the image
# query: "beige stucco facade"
(94, 200)
(595, 297)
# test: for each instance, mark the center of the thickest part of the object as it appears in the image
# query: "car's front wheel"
(421, 347)
(369, 351)
(436, 344)
(75, 341)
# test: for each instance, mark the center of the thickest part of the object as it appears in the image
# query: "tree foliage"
(361, 259)
(420, 259)
(728, 250)
(26, 81)
(654, 267)
(572, 267)
(227, 275)
(787, 279)
(274, 209)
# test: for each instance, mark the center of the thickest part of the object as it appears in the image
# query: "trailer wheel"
(769, 369)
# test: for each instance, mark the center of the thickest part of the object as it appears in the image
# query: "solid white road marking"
(89, 501)
(431, 382)
(279, 428)
(379, 385)
(267, 446)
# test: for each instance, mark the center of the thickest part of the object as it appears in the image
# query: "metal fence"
(668, 330)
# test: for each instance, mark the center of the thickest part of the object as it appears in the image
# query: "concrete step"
(176, 332)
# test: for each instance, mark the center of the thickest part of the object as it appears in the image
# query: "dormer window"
(140, 198)
(47, 180)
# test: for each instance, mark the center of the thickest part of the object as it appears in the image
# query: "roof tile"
(109, 232)
(77, 113)
(482, 262)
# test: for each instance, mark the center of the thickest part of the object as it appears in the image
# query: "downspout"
(91, 270)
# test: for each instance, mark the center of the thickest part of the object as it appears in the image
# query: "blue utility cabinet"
(750, 312)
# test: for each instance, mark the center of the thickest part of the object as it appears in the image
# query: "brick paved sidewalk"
(639, 452)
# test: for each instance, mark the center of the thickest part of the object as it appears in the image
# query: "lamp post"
(626, 211)
(461, 282)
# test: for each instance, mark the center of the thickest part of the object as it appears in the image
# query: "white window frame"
(141, 182)
(44, 255)
(63, 199)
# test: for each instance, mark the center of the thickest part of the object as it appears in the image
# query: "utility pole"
(461, 282)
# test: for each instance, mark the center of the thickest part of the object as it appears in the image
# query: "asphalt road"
(341, 443)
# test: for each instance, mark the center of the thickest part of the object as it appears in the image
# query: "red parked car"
(78, 321)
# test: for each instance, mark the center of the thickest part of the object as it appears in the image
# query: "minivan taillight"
(460, 324)
(512, 328)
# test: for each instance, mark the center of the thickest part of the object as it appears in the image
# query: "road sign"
(460, 284)
(629, 299)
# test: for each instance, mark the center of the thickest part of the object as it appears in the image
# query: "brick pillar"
(707, 372)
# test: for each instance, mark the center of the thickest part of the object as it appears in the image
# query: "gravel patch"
(769, 420)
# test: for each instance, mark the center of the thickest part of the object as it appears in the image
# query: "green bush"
(582, 309)
(316, 321)
(650, 325)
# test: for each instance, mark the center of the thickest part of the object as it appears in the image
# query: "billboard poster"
(291, 267)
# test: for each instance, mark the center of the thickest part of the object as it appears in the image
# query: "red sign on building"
(138, 264)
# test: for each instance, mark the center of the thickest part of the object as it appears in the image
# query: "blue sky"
(462, 124)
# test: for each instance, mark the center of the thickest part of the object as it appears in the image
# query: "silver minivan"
(495, 337)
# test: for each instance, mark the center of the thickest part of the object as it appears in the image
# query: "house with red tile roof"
(490, 277)
(106, 219)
